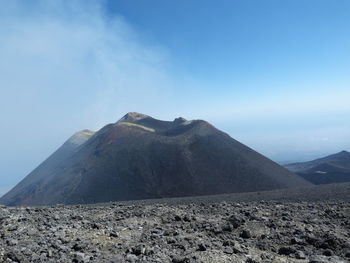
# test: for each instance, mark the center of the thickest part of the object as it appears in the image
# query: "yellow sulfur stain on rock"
(130, 124)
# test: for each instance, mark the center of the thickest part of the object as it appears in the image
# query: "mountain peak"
(80, 137)
(133, 116)
(180, 120)
(343, 155)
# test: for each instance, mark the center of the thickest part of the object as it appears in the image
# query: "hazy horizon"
(274, 75)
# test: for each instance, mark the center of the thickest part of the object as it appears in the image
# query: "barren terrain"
(266, 227)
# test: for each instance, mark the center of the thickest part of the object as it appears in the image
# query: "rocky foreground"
(198, 232)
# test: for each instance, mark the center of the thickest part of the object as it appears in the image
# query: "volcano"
(140, 157)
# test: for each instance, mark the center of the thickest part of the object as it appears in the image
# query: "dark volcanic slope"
(331, 169)
(140, 157)
(44, 172)
(315, 193)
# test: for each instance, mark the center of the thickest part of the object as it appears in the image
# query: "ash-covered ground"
(201, 231)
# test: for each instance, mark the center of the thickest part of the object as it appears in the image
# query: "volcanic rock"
(148, 226)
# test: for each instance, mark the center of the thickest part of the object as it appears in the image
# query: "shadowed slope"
(334, 168)
(33, 181)
(140, 157)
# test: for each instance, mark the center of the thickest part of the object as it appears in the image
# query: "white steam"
(65, 66)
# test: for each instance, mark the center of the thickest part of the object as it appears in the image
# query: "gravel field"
(224, 228)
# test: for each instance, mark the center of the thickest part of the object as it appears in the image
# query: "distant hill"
(140, 157)
(334, 168)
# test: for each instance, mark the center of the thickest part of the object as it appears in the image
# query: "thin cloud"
(65, 66)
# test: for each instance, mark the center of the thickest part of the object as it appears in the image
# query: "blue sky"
(273, 74)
